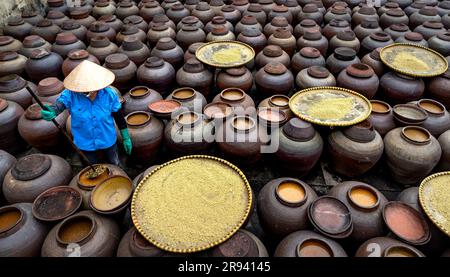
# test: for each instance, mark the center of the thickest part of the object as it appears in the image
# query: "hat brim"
(88, 77)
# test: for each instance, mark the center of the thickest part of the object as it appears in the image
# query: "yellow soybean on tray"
(191, 204)
(225, 53)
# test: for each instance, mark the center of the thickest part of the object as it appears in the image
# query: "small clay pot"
(247, 21)
(31, 16)
(220, 33)
(311, 11)
(381, 117)
(101, 28)
(241, 244)
(162, 18)
(424, 14)
(241, 102)
(8, 43)
(82, 17)
(56, 17)
(256, 10)
(393, 17)
(125, 9)
(277, 101)
(190, 53)
(283, 11)
(137, 21)
(7, 161)
(364, 13)
(430, 28)
(103, 7)
(216, 21)
(49, 89)
(444, 142)
(230, 13)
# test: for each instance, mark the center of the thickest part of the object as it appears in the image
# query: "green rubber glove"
(126, 141)
(49, 113)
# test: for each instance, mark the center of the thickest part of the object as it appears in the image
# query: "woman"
(94, 107)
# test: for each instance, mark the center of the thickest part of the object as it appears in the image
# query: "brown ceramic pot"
(82, 17)
(136, 51)
(43, 64)
(412, 37)
(283, 38)
(341, 59)
(274, 78)
(66, 42)
(56, 17)
(275, 23)
(49, 89)
(438, 120)
(11, 63)
(17, 28)
(129, 31)
(239, 77)
(440, 43)
(314, 76)
(344, 39)
(373, 60)
(254, 38)
(46, 29)
(272, 53)
(366, 28)
(387, 247)
(203, 12)
(399, 88)
(393, 17)
(189, 35)
(31, 16)
(397, 30)
(247, 21)
(256, 10)
(313, 39)
(306, 57)
(424, 14)
(34, 42)
(103, 7)
(10, 113)
(190, 53)
(230, 13)
(157, 74)
(189, 98)
(375, 40)
(167, 49)
(216, 21)
(126, 8)
(381, 117)
(311, 11)
(194, 74)
(361, 78)
(6, 162)
(13, 88)
(334, 27)
(74, 58)
(76, 28)
(306, 24)
(241, 102)
(149, 10)
(430, 28)
(123, 68)
(138, 99)
(101, 28)
(101, 48)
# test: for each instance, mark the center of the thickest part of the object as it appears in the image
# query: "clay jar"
(365, 204)
(66, 42)
(311, 11)
(43, 64)
(412, 153)
(355, 150)
(424, 14)
(266, 5)
(364, 13)
(11, 63)
(100, 28)
(103, 7)
(162, 18)
(194, 74)
(313, 39)
(138, 99)
(34, 174)
(373, 60)
(216, 21)
(256, 11)
(277, 22)
(230, 13)
(31, 16)
(412, 37)
(334, 27)
(381, 117)
(361, 78)
(21, 235)
(13, 88)
(375, 40)
(439, 88)
(7, 161)
(440, 43)
(96, 235)
(203, 12)
(189, 35)
(149, 10)
(47, 30)
(241, 102)
(397, 30)
(146, 133)
(239, 77)
(168, 50)
(305, 24)
(388, 6)
(344, 39)
(157, 74)
(189, 133)
(101, 48)
(341, 59)
(137, 21)
(272, 53)
(112, 21)
(17, 28)
(274, 78)
(158, 31)
(337, 12)
(314, 76)
(192, 20)
(49, 89)
(189, 98)
(277, 101)
(306, 57)
(300, 147)
(74, 27)
(247, 21)
(57, 17)
(366, 28)
(135, 50)
(190, 53)
(254, 38)
(8, 43)
(10, 113)
(215, 5)
(308, 244)
(123, 68)
(41, 134)
(399, 88)
(283, 38)
(74, 58)
(128, 31)
(283, 206)
(429, 29)
(393, 17)
(177, 12)
(241, 244)
(82, 17)
(446, 20)
(387, 247)
(438, 120)
(57, 5)
(126, 8)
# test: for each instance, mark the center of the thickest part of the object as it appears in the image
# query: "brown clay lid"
(79, 13)
(254, 7)
(160, 18)
(395, 13)
(362, 132)
(367, 10)
(228, 8)
(217, 110)
(299, 130)
(239, 245)
(370, 23)
(413, 36)
(65, 38)
(310, 8)
(5, 40)
(15, 21)
(194, 46)
(33, 112)
(189, 28)
(428, 11)
(338, 10)
(11, 83)
(236, 71)
(399, 27)
(215, 20)
(193, 20)
(166, 43)
(55, 14)
(280, 9)
(56, 203)
(307, 23)
(310, 52)
(3, 104)
(133, 19)
(29, 13)
(117, 61)
(337, 22)
(193, 66)
(346, 35)
(132, 43)
(219, 30)
(391, 5)
(444, 36)
(202, 6)
(39, 53)
(380, 36)
(100, 42)
(70, 25)
(249, 20)
(275, 68)
(433, 24)
(108, 18)
(99, 27)
(344, 53)
(318, 71)
(31, 167)
(78, 54)
(50, 86)
(8, 56)
(279, 21)
(130, 29)
(44, 23)
(272, 51)
(312, 34)
(360, 70)
(164, 106)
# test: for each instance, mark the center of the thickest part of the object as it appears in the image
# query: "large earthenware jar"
(308, 244)
(84, 234)
(39, 133)
(56, 17)
(361, 78)
(34, 42)
(272, 53)
(256, 10)
(66, 42)
(11, 63)
(375, 40)
(363, 13)
(103, 7)
(100, 28)
(344, 39)
(101, 48)
(194, 21)
(399, 88)
(157, 74)
(123, 69)
(311, 11)
(373, 60)
(306, 57)
(241, 244)
(43, 64)
(387, 247)
(137, 21)
(283, 205)
(10, 113)
(238, 77)
(13, 88)
(167, 49)
(126, 8)
(305, 24)
(438, 120)
(397, 30)
(21, 235)
(194, 74)
(254, 38)
(337, 12)
(8, 43)
(313, 38)
(355, 150)
(74, 58)
(240, 139)
(189, 35)
(34, 174)
(17, 28)
(247, 21)
(300, 146)
(277, 22)
(314, 76)
(32, 17)
(366, 28)
(162, 18)
(138, 99)
(341, 59)
(135, 49)
(46, 29)
(113, 22)
(412, 153)
(128, 31)
(334, 27)
(277, 101)
(393, 17)
(49, 89)
(146, 133)
(215, 22)
(274, 78)
(430, 28)
(220, 33)
(190, 53)
(439, 88)
(412, 37)
(57, 5)
(440, 43)
(365, 204)
(76, 28)
(149, 10)
(189, 98)
(283, 38)
(241, 102)
(203, 12)
(82, 17)
(424, 14)
(6, 162)
(381, 117)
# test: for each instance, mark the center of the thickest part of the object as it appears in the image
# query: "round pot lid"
(239, 245)
(31, 167)
(56, 203)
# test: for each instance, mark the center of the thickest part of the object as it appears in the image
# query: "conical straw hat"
(88, 77)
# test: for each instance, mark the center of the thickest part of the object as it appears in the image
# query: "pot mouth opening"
(9, 218)
(232, 94)
(218, 110)
(112, 194)
(291, 193)
(272, 116)
(363, 197)
(139, 118)
(431, 106)
(380, 107)
(138, 92)
(75, 229)
(416, 135)
(188, 119)
(281, 101)
(184, 93)
(331, 216)
(400, 251)
(314, 247)
(243, 123)
(87, 183)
